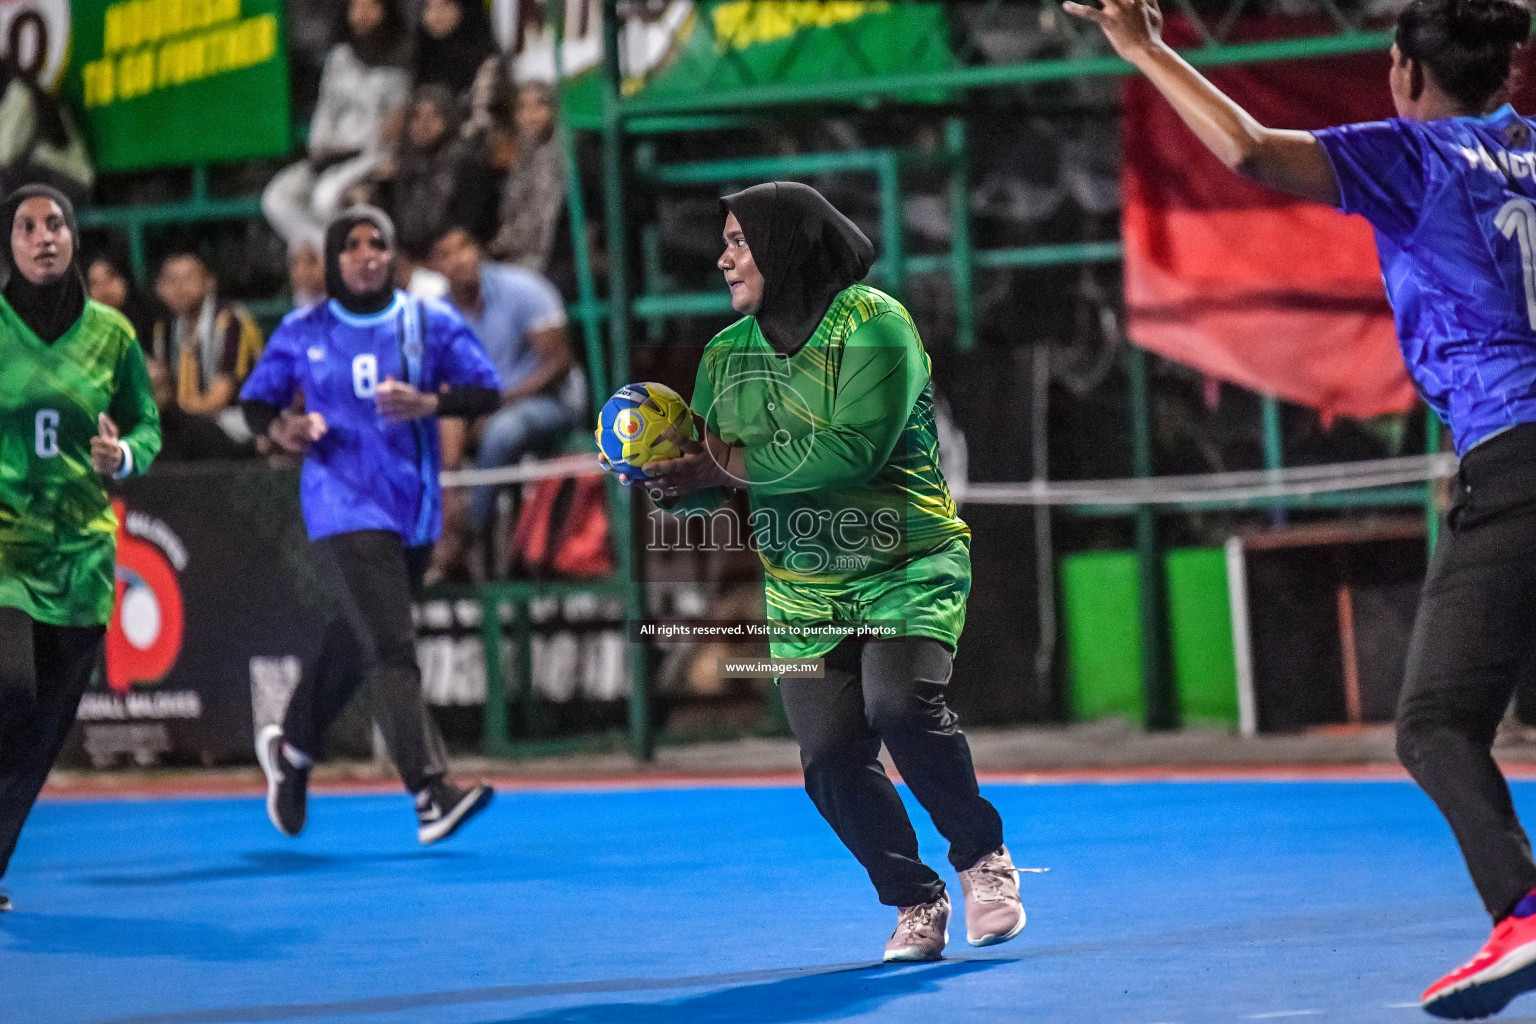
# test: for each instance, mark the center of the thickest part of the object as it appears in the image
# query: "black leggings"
(373, 577)
(891, 692)
(44, 670)
(1472, 641)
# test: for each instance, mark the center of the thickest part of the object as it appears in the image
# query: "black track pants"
(891, 692)
(372, 640)
(44, 670)
(1473, 639)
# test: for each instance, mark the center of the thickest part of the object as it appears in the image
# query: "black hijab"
(388, 44)
(806, 251)
(455, 59)
(49, 309)
(336, 240)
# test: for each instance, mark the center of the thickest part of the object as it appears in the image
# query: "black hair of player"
(1466, 46)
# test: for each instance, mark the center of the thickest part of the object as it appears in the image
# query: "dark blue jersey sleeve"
(460, 358)
(275, 376)
(1381, 170)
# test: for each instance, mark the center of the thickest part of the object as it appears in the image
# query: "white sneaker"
(921, 933)
(993, 911)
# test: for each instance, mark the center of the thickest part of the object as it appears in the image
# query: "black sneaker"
(442, 807)
(287, 786)
(5, 903)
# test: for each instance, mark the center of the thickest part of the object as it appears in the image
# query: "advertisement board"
(681, 47)
(161, 83)
(217, 606)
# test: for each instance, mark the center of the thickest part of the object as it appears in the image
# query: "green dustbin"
(1101, 619)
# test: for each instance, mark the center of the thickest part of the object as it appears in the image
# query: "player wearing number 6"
(75, 407)
(376, 369)
(1449, 186)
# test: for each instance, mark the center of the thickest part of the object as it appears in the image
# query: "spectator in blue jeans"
(520, 319)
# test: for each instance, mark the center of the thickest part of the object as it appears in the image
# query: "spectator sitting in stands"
(184, 437)
(306, 271)
(534, 195)
(362, 89)
(490, 126)
(520, 320)
(453, 41)
(437, 180)
(110, 282)
(207, 346)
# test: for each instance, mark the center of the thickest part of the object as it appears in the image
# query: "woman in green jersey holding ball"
(75, 407)
(818, 403)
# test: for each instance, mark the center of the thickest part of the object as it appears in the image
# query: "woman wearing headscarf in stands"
(362, 90)
(453, 40)
(819, 403)
(75, 406)
(437, 179)
(372, 363)
(534, 196)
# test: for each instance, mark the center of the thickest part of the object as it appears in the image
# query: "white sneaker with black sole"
(442, 808)
(287, 785)
(5, 903)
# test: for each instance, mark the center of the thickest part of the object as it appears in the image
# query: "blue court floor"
(1166, 903)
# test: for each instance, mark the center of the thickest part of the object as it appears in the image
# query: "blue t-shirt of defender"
(366, 473)
(1452, 205)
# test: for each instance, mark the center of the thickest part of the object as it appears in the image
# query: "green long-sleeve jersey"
(58, 533)
(849, 509)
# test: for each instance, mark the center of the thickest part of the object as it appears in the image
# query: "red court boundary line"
(192, 786)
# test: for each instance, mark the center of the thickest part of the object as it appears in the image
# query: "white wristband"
(127, 466)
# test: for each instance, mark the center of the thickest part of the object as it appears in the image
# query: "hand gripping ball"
(632, 422)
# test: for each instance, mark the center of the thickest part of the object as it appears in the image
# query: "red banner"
(1243, 283)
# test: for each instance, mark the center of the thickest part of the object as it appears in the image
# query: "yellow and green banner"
(717, 47)
(162, 83)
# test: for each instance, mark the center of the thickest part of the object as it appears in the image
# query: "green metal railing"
(198, 208)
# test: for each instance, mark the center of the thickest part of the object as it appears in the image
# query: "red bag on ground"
(562, 529)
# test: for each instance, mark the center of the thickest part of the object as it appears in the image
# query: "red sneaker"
(1484, 985)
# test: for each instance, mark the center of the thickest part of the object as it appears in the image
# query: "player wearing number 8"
(75, 407)
(1449, 187)
(376, 369)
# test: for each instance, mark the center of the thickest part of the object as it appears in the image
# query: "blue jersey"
(1452, 205)
(366, 473)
